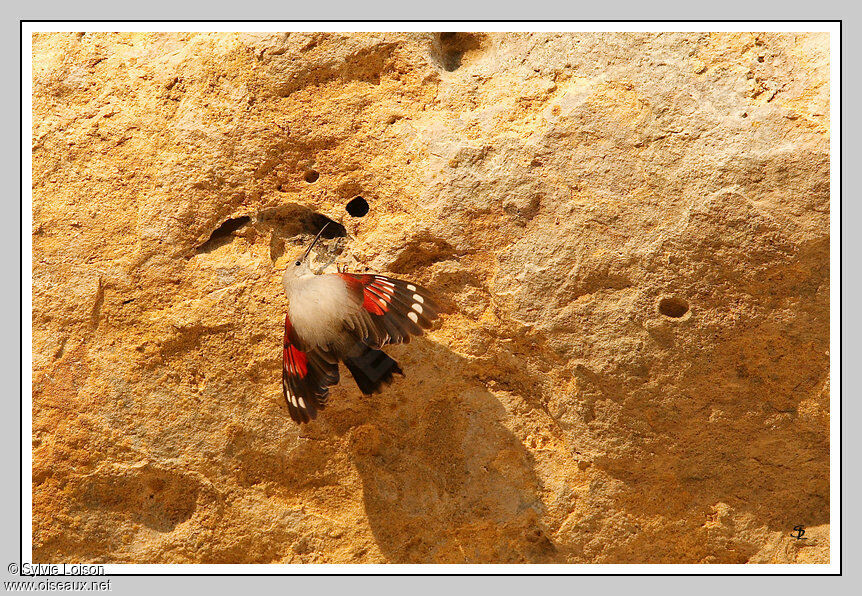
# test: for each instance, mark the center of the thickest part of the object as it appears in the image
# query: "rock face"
(629, 235)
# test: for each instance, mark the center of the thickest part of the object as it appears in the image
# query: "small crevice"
(62, 349)
(222, 234)
(673, 307)
(292, 220)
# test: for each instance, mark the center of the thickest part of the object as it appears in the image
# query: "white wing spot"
(301, 403)
(418, 298)
(413, 316)
(411, 287)
(418, 308)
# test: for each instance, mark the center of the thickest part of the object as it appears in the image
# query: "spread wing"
(391, 311)
(305, 377)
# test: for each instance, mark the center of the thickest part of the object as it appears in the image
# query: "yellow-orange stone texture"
(628, 234)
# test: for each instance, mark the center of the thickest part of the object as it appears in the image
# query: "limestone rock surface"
(629, 235)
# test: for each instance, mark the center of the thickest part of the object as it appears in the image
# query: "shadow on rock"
(443, 479)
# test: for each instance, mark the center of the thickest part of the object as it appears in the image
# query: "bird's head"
(299, 269)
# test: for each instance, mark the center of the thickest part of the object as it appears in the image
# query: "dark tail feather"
(372, 369)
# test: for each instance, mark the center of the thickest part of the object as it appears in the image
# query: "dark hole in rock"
(311, 176)
(333, 230)
(673, 307)
(453, 46)
(221, 235)
(357, 207)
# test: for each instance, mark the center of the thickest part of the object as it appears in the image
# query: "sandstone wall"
(629, 234)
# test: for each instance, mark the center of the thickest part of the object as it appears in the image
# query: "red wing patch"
(356, 282)
(399, 308)
(377, 291)
(305, 377)
(373, 304)
(295, 361)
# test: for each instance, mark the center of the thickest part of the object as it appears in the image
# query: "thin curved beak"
(313, 242)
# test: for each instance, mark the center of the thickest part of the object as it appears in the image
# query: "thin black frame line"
(431, 21)
(840, 301)
(840, 571)
(21, 284)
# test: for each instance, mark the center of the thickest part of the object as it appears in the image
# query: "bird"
(334, 317)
